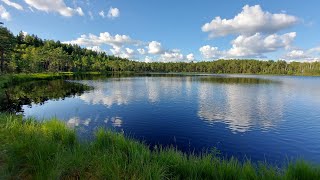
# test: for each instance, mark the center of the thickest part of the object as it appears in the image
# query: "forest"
(26, 53)
(33, 71)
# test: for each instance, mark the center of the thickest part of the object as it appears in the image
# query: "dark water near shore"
(271, 118)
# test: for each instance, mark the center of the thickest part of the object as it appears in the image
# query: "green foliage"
(7, 39)
(7, 42)
(49, 150)
(33, 55)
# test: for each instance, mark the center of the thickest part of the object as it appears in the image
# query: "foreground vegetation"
(49, 150)
(31, 54)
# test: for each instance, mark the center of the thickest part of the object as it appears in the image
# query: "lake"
(263, 118)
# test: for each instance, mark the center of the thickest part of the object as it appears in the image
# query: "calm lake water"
(273, 118)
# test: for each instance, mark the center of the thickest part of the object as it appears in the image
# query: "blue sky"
(150, 30)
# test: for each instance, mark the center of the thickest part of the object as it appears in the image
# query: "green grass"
(50, 150)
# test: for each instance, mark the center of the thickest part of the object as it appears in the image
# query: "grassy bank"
(49, 150)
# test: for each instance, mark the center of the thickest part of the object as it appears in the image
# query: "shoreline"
(49, 149)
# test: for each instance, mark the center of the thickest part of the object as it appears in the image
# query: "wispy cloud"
(12, 4)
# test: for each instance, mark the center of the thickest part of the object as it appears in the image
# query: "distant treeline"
(30, 54)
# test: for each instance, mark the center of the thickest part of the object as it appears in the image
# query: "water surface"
(271, 118)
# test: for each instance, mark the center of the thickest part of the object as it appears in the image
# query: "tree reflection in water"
(13, 98)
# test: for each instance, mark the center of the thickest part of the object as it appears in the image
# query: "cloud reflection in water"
(219, 99)
(233, 105)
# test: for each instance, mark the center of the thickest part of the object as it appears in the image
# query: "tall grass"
(50, 150)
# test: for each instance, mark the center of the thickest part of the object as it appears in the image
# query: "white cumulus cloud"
(4, 14)
(58, 6)
(122, 47)
(257, 44)
(79, 11)
(254, 46)
(210, 52)
(173, 56)
(251, 20)
(296, 54)
(113, 12)
(12, 4)
(116, 51)
(190, 57)
(309, 55)
(148, 59)
(129, 51)
(141, 51)
(155, 47)
(315, 50)
(95, 48)
(25, 33)
(101, 13)
(123, 53)
(103, 39)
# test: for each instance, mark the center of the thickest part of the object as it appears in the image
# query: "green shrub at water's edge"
(50, 150)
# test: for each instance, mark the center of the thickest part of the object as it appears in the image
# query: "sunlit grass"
(50, 150)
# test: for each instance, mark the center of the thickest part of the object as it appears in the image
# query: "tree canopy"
(7, 43)
(30, 54)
